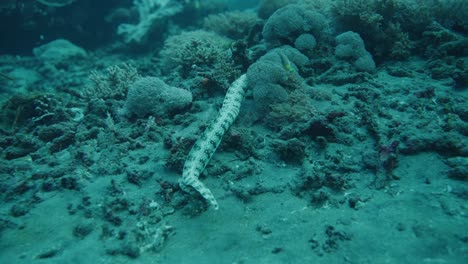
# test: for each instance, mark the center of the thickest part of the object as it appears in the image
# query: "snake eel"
(206, 145)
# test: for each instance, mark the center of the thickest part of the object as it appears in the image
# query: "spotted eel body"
(206, 145)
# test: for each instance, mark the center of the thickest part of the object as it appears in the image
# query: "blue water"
(349, 145)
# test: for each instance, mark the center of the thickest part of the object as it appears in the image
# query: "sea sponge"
(305, 43)
(274, 74)
(278, 66)
(351, 46)
(152, 96)
(59, 51)
(287, 23)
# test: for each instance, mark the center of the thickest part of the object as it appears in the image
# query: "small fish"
(286, 63)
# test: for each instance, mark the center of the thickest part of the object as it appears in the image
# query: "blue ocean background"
(350, 143)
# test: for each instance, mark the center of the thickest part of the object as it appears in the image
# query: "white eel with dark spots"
(206, 145)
